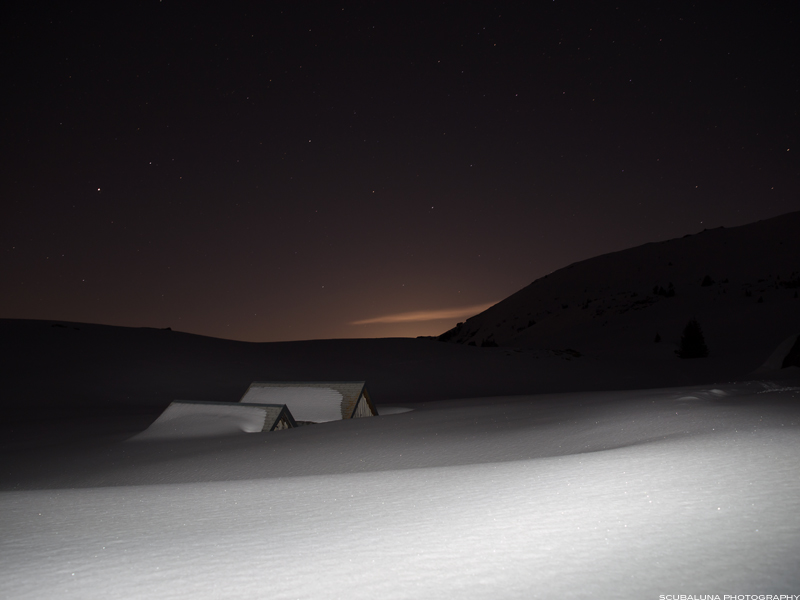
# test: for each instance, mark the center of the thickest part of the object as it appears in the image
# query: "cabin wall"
(362, 409)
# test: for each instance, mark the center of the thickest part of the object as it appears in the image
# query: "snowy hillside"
(741, 284)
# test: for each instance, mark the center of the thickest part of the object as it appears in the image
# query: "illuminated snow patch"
(713, 512)
(394, 410)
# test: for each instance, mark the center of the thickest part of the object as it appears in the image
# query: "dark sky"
(264, 172)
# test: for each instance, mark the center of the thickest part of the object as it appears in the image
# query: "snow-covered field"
(555, 487)
(595, 495)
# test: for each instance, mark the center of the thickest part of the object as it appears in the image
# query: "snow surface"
(394, 410)
(589, 495)
(305, 403)
(609, 306)
(520, 472)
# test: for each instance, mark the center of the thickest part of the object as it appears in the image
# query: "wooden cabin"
(195, 418)
(315, 401)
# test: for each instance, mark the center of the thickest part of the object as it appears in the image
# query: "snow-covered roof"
(192, 418)
(314, 401)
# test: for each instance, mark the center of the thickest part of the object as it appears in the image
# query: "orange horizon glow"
(427, 315)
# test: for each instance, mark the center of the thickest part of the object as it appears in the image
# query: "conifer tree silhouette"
(693, 344)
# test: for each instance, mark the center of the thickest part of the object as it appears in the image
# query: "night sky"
(370, 169)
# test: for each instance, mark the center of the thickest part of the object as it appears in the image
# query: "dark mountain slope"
(741, 284)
